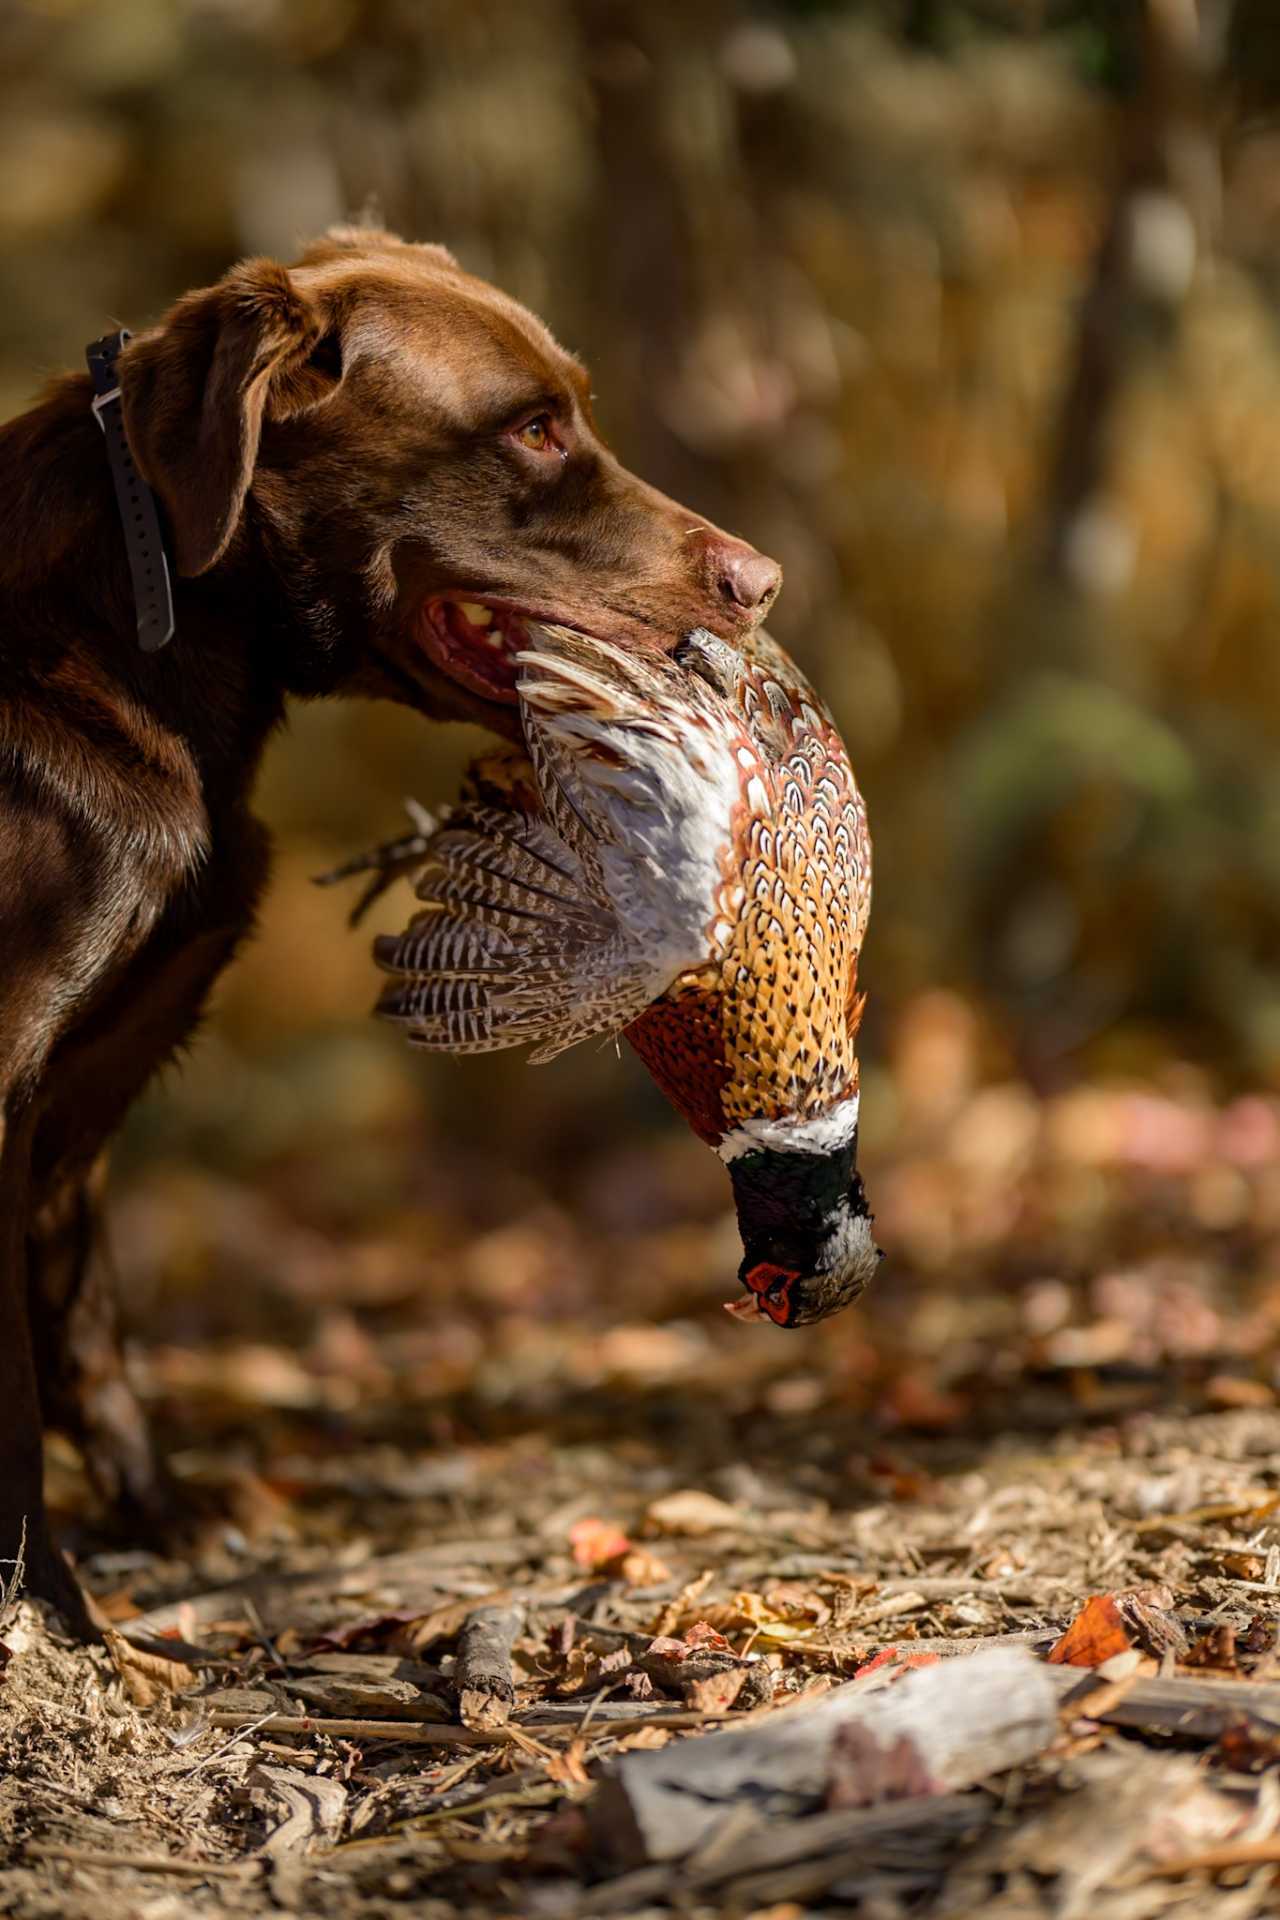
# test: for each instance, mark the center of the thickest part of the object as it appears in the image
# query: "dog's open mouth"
(476, 642)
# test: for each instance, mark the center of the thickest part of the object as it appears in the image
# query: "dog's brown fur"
(335, 445)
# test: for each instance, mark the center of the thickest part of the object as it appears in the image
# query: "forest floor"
(519, 1523)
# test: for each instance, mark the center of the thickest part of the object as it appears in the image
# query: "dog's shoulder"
(82, 748)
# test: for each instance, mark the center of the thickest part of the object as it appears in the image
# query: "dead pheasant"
(682, 857)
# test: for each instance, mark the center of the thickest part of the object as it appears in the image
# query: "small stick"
(264, 1638)
(408, 1733)
(411, 1733)
(184, 1773)
(482, 1672)
(11, 1589)
(142, 1862)
(1232, 1853)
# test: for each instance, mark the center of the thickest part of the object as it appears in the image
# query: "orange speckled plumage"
(769, 1028)
(682, 856)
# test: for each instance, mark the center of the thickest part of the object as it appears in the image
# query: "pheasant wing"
(510, 945)
(647, 770)
(547, 929)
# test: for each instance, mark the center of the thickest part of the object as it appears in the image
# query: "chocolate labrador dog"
(369, 469)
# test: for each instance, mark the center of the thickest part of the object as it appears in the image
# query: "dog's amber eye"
(536, 434)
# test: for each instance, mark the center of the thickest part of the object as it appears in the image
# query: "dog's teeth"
(478, 616)
(495, 641)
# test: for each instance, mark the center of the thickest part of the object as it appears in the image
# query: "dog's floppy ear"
(195, 392)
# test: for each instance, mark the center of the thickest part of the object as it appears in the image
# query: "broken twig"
(482, 1672)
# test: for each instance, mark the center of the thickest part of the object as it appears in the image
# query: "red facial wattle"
(771, 1284)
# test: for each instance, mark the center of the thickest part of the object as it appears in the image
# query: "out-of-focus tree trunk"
(688, 268)
(675, 240)
(1162, 219)
(1076, 720)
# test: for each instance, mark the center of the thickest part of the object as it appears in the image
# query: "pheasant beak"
(741, 1309)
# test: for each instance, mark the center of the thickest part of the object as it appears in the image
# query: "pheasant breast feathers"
(681, 854)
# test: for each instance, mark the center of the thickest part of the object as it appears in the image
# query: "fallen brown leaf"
(678, 1611)
(894, 1657)
(717, 1692)
(568, 1769)
(375, 1627)
(640, 1568)
(1246, 1747)
(596, 1542)
(1215, 1649)
(1241, 1566)
(148, 1677)
(1232, 1390)
(693, 1513)
(645, 1739)
(1096, 1634)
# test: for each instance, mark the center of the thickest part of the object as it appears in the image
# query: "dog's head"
(415, 459)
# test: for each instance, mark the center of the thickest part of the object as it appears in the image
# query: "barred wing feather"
(548, 930)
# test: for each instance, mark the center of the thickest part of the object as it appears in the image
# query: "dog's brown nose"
(745, 578)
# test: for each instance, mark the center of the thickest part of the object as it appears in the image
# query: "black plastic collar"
(139, 513)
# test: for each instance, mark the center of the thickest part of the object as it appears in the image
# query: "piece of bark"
(344, 1697)
(250, 1703)
(1193, 1709)
(840, 1841)
(823, 1835)
(757, 1688)
(372, 1666)
(482, 1672)
(938, 1729)
(1154, 1627)
(674, 1672)
(313, 1808)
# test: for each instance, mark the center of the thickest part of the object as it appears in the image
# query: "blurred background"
(964, 310)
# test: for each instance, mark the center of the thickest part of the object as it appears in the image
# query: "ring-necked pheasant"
(683, 857)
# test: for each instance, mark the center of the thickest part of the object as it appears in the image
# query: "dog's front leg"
(97, 1073)
(84, 1389)
(29, 1561)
